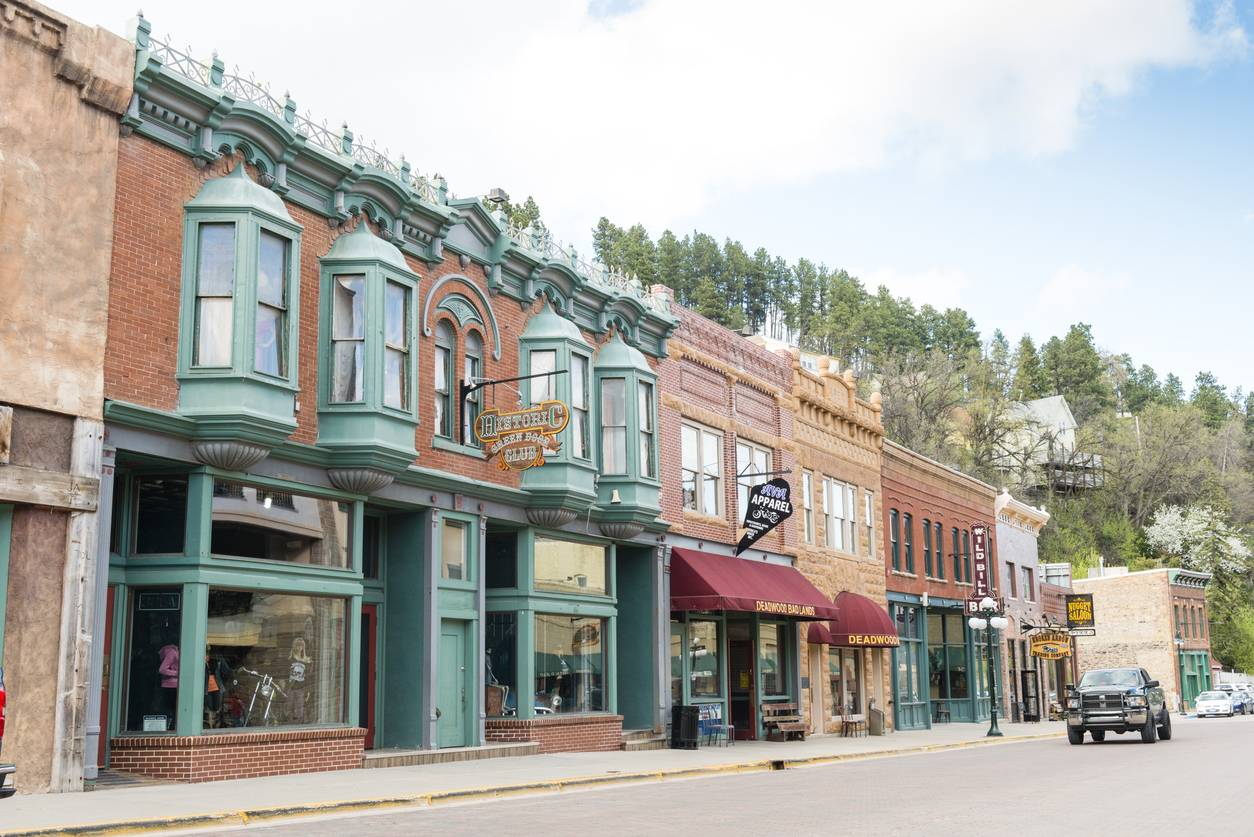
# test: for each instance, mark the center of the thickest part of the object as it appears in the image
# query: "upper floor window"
(838, 528)
(614, 425)
(907, 540)
(543, 388)
(851, 495)
(472, 368)
(940, 550)
(1029, 593)
(957, 553)
(927, 547)
(396, 346)
(868, 514)
(966, 555)
(807, 505)
(272, 270)
(751, 463)
(894, 538)
(1010, 579)
(701, 469)
(579, 406)
(443, 377)
(348, 339)
(214, 292)
(644, 396)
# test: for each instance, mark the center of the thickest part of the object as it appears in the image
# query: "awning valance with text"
(862, 624)
(701, 581)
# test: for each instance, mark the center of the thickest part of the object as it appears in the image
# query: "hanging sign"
(972, 605)
(521, 438)
(1051, 646)
(1080, 611)
(769, 505)
(979, 560)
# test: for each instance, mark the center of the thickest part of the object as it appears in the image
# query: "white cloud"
(663, 108)
(1072, 289)
(940, 288)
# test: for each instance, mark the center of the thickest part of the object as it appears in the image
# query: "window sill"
(901, 574)
(963, 584)
(441, 443)
(706, 519)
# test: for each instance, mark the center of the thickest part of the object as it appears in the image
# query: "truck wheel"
(1075, 736)
(1164, 730)
(1099, 735)
(1149, 732)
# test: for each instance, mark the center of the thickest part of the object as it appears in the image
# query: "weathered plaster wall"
(64, 86)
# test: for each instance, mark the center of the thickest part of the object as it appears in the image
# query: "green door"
(451, 684)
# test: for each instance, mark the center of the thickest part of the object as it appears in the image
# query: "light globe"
(977, 624)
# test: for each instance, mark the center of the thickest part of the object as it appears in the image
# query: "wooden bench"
(782, 721)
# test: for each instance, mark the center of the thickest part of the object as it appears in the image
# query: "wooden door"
(369, 670)
(451, 684)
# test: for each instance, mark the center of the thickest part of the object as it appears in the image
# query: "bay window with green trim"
(625, 395)
(239, 312)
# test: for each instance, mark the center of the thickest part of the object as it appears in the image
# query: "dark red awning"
(863, 623)
(701, 581)
(819, 634)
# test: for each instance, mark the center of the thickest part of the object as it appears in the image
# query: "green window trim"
(894, 539)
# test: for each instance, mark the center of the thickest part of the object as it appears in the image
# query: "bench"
(782, 721)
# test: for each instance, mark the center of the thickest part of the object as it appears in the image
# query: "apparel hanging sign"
(979, 559)
(769, 505)
(521, 438)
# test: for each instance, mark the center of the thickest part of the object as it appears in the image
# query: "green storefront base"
(1195, 676)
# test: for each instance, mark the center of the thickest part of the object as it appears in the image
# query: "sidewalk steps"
(407, 758)
(635, 740)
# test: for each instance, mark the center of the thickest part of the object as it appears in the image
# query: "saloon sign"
(1080, 610)
(979, 558)
(520, 439)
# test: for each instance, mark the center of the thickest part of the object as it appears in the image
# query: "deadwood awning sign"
(521, 438)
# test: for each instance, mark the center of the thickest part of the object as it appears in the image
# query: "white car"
(1214, 703)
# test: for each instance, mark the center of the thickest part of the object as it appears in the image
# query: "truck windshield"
(1110, 677)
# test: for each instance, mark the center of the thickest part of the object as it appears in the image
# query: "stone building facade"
(64, 87)
(1139, 617)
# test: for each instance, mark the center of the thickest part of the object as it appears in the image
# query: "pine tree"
(1029, 379)
(1211, 398)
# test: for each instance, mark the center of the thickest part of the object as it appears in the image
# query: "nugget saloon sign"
(1080, 610)
(521, 439)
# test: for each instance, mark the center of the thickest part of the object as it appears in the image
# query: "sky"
(1037, 165)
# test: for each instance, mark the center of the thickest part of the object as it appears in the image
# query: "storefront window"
(570, 567)
(273, 659)
(152, 681)
(774, 654)
(370, 547)
(453, 550)
(570, 664)
(160, 515)
(501, 561)
(280, 526)
(947, 656)
(844, 671)
(703, 648)
(677, 664)
(501, 649)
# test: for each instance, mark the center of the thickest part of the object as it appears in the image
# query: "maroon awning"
(819, 634)
(863, 623)
(701, 581)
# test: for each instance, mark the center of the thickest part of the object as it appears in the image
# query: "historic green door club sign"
(521, 438)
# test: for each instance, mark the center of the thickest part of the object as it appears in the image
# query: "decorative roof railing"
(433, 190)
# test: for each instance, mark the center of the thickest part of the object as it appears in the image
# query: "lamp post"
(989, 616)
(1179, 642)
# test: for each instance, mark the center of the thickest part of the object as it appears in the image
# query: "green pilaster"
(198, 536)
(353, 708)
(6, 531)
(526, 663)
(191, 710)
(403, 619)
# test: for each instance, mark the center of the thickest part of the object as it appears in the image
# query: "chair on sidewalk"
(851, 725)
(942, 711)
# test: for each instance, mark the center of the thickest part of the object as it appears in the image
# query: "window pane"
(688, 484)
(501, 560)
(213, 332)
(396, 315)
(709, 454)
(543, 389)
(153, 665)
(274, 659)
(709, 496)
(453, 550)
(570, 567)
(645, 407)
(570, 664)
(578, 382)
(350, 302)
(614, 450)
(774, 676)
(646, 454)
(614, 402)
(273, 525)
(501, 648)
(272, 270)
(703, 653)
(270, 333)
(958, 687)
(216, 275)
(441, 369)
(853, 669)
(160, 515)
(394, 391)
(370, 546)
(349, 371)
(579, 432)
(690, 455)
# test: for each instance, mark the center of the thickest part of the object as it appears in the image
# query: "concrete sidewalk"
(243, 801)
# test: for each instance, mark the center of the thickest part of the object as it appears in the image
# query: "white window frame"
(755, 452)
(807, 506)
(868, 512)
(702, 476)
(840, 532)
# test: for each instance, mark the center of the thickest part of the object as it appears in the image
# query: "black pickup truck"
(1117, 700)
(6, 770)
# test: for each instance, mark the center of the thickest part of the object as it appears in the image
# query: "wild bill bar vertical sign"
(980, 563)
(769, 505)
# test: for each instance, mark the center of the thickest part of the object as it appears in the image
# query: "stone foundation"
(243, 755)
(560, 733)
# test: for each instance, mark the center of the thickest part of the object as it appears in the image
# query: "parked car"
(6, 770)
(1214, 703)
(1117, 700)
(1240, 700)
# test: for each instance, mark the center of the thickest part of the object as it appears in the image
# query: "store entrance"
(451, 684)
(366, 696)
(740, 670)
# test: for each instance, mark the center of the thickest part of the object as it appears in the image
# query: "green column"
(6, 530)
(192, 659)
(526, 664)
(354, 660)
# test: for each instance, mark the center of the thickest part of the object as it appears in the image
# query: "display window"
(160, 515)
(570, 664)
(571, 567)
(271, 525)
(703, 650)
(774, 660)
(154, 652)
(501, 651)
(274, 659)
(844, 667)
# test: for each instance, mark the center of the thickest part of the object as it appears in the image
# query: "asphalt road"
(1122, 787)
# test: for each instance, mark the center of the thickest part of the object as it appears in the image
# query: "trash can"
(684, 726)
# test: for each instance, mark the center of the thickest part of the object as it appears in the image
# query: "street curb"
(427, 800)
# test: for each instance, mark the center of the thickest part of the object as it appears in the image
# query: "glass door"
(741, 690)
(909, 671)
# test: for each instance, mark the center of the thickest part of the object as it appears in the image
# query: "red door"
(102, 757)
(369, 636)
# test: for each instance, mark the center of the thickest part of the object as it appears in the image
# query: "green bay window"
(348, 339)
(396, 346)
(613, 426)
(271, 338)
(644, 410)
(214, 295)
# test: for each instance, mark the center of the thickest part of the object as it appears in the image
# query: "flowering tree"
(1199, 537)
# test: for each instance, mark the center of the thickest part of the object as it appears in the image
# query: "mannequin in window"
(219, 677)
(167, 694)
(298, 671)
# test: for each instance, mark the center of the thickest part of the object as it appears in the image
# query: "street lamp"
(989, 615)
(1179, 642)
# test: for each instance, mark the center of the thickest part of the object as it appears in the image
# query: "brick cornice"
(680, 350)
(727, 425)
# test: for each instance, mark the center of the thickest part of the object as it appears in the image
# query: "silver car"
(1214, 703)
